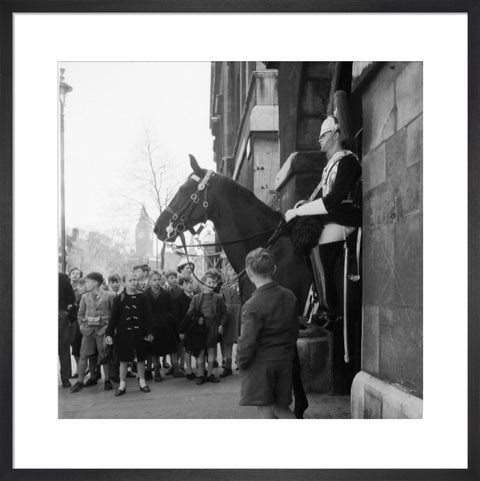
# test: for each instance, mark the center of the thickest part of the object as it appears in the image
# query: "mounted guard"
(328, 223)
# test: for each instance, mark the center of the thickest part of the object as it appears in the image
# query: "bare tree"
(96, 251)
(154, 186)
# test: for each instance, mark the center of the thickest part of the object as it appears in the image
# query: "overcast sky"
(107, 112)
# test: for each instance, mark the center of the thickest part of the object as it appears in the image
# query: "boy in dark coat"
(163, 328)
(266, 346)
(66, 299)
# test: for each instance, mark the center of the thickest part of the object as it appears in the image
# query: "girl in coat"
(130, 327)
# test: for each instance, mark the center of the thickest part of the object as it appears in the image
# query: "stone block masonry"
(392, 350)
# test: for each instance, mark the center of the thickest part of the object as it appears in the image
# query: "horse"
(238, 215)
(242, 223)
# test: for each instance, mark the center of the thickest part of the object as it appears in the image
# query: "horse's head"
(188, 207)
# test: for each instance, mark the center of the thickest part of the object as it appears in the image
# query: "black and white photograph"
(240, 240)
(259, 232)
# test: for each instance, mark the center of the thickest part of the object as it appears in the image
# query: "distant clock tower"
(143, 236)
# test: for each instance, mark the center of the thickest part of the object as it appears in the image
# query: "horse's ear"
(194, 164)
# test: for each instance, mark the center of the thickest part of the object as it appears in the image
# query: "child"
(163, 330)
(214, 311)
(79, 289)
(185, 269)
(114, 283)
(131, 325)
(93, 317)
(141, 273)
(266, 345)
(176, 292)
(232, 330)
(183, 302)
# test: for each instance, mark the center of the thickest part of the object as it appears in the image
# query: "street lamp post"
(63, 89)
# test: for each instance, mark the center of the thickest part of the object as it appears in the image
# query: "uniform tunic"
(130, 322)
(339, 180)
(337, 187)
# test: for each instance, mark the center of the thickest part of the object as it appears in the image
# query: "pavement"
(180, 399)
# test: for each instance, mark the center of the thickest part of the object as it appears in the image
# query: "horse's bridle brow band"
(174, 229)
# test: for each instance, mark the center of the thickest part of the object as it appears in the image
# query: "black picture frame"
(8, 8)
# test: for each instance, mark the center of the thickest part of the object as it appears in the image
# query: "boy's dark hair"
(260, 261)
(215, 274)
(209, 275)
(114, 277)
(170, 273)
(95, 276)
(155, 273)
(144, 267)
(182, 280)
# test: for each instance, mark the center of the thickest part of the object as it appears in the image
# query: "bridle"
(177, 224)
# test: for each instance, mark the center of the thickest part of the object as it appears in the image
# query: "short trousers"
(266, 383)
(89, 343)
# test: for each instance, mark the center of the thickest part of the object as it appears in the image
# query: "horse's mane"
(231, 188)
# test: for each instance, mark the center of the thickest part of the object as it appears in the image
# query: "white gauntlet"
(316, 207)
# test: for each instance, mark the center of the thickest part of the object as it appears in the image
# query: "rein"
(226, 243)
(272, 239)
(177, 225)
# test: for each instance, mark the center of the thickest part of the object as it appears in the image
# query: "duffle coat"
(130, 323)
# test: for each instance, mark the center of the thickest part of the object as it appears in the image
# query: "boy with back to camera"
(266, 345)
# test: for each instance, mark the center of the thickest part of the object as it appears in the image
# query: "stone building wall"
(392, 155)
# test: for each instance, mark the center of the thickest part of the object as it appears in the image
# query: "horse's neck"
(236, 219)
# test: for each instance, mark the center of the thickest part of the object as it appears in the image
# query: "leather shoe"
(226, 372)
(158, 377)
(144, 388)
(107, 386)
(77, 387)
(66, 383)
(212, 378)
(200, 380)
(91, 382)
(120, 392)
(191, 376)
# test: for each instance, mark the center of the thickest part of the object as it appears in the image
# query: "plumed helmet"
(330, 124)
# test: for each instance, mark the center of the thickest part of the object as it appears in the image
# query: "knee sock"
(122, 384)
(141, 382)
(210, 367)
